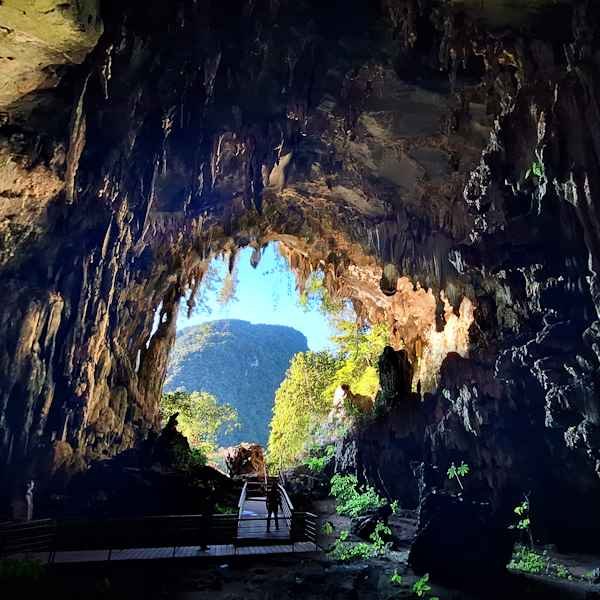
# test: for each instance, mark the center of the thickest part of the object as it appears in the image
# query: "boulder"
(458, 538)
(364, 526)
(245, 459)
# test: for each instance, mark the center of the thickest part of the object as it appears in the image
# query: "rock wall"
(458, 149)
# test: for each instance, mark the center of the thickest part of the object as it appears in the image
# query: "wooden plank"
(171, 536)
(165, 553)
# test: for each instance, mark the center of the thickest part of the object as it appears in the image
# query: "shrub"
(396, 578)
(197, 458)
(523, 523)
(562, 571)
(327, 528)
(421, 586)
(318, 463)
(343, 487)
(529, 561)
(348, 551)
(377, 538)
(11, 569)
(350, 501)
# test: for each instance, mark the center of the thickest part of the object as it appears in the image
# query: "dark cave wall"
(522, 410)
(172, 145)
(405, 128)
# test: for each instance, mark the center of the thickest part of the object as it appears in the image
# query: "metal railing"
(173, 531)
(242, 500)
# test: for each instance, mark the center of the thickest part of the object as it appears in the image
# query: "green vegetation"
(522, 510)
(327, 528)
(345, 550)
(529, 561)
(523, 521)
(562, 572)
(525, 558)
(380, 538)
(200, 418)
(305, 397)
(203, 358)
(316, 295)
(537, 169)
(455, 472)
(323, 456)
(20, 569)
(359, 352)
(300, 406)
(396, 578)
(421, 586)
(184, 458)
(197, 458)
(352, 501)
(395, 506)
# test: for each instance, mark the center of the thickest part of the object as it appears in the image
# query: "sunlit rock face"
(38, 39)
(411, 312)
(459, 147)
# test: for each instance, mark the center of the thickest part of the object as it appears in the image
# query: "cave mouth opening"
(263, 313)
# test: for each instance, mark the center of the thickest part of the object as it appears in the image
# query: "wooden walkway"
(253, 525)
(217, 551)
(167, 537)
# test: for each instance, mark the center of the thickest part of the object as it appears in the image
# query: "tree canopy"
(300, 402)
(200, 418)
(305, 396)
(359, 350)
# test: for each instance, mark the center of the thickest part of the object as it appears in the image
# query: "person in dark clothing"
(273, 502)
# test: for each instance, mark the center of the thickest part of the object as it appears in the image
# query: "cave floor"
(312, 577)
(272, 573)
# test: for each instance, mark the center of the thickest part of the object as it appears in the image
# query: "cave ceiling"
(442, 152)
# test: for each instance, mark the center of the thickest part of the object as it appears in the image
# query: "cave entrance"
(273, 343)
(252, 320)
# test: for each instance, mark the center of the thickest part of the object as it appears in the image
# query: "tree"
(300, 403)
(359, 350)
(305, 396)
(315, 295)
(200, 418)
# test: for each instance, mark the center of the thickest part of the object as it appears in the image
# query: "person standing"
(29, 500)
(273, 502)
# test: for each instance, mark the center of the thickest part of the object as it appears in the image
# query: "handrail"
(242, 500)
(287, 498)
(168, 531)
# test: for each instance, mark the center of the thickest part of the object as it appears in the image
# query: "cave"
(437, 161)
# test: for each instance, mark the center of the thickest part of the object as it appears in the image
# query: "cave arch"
(194, 127)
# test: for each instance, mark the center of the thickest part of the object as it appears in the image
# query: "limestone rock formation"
(457, 142)
(245, 459)
(457, 536)
(37, 40)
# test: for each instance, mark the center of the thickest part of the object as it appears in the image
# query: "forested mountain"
(240, 363)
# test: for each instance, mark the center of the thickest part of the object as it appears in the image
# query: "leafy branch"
(455, 472)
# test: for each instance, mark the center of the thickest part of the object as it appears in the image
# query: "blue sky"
(266, 294)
